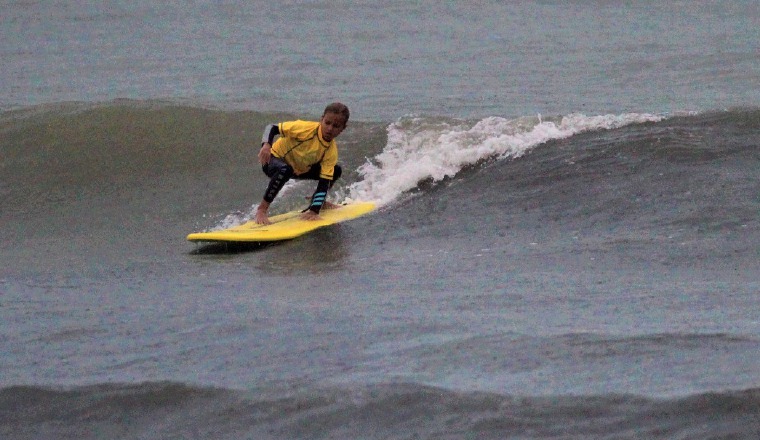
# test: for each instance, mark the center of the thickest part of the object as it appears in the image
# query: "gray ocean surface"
(567, 244)
(387, 58)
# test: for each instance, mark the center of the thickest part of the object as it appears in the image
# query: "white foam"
(419, 149)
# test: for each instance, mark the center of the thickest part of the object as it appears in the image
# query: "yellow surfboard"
(284, 226)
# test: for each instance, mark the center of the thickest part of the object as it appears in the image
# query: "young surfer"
(304, 150)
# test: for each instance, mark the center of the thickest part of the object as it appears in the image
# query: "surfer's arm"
(265, 153)
(318, 199)
(270, 132)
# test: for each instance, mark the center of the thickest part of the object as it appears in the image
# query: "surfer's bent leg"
(336, 174)
(313, 174)
(280, 173)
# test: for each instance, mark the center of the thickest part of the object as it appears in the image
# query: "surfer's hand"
(262, 216)
(310, 215)
(265, 153)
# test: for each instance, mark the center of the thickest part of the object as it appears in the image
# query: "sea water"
(567, 243)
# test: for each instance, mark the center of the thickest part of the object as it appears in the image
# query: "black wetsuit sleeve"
(318, 199)
(270, 132)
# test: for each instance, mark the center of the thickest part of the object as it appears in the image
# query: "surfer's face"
(332, 125)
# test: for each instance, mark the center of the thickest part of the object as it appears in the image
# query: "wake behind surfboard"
(284, 226)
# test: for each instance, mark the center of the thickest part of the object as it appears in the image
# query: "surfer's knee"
(278, 168)
(284, 171)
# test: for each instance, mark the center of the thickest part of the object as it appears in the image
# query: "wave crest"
(419, 149)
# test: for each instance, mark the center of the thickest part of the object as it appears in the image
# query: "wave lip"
(419, 149)
(172, 410)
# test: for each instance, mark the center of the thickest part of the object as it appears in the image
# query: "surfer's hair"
(339, 109)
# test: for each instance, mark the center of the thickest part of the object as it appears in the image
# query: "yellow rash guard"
(301, 145)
